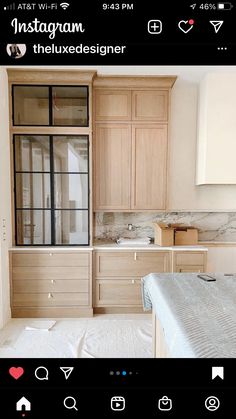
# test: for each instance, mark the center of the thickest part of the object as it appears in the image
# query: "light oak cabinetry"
(113, 166)
(189, 262)
(150, 105)
(112, 105)
(117, 275)
(135, 179)
(149, 159)
(51, 283)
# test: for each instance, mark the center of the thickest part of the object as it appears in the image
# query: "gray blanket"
(198, 317)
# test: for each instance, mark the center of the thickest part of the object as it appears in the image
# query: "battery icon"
(224, 6)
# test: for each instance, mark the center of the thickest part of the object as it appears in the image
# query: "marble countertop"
(106, 246)
(114, 246)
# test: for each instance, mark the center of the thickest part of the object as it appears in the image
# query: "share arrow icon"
(67, 371)
(216, 24)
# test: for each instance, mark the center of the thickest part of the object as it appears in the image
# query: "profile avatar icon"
(16, 50)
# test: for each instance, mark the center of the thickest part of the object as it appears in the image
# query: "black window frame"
(52, 208)
(50, 112)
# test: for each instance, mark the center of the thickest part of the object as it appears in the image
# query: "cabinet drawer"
(50, 259)
(118, 292)
(50, 299)
(52, 285)
(50, 273)
(189, 258)
(130, 264)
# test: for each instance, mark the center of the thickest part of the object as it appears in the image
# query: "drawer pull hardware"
(50, 295)
(52, 281)
(133, 281)
(135, 256)
(50, 254)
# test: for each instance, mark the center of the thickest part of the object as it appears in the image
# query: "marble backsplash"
(212, 226)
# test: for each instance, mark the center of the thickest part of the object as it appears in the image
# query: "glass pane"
(33, 227)
(71, 227)
(69, 106)
(31, 105)
(32, 153)
(70, 153)
(32, 190)
(71, 191)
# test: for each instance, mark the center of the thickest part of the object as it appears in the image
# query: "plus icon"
(155, 26)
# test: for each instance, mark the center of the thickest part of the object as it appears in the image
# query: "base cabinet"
(189, 262)
(51, 284)
(117, 275)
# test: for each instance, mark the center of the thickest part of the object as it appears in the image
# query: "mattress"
(198, 317)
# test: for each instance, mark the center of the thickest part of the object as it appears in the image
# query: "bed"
(191, 318)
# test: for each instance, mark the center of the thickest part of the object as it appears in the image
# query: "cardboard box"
(186, 236)
(174, 235)
(164, 234)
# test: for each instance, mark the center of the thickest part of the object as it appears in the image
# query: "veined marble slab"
(212, 226)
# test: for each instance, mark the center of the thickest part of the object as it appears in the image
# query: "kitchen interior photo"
(118, 212)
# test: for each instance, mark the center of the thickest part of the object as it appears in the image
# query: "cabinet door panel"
(149, 159)
(118, 293)
(112, 105)
(112, 167)
(150, 105)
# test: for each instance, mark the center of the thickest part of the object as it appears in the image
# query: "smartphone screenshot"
(117, 209)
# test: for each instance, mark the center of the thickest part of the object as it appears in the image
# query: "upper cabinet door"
(112, 166)
(112, 105)
(149, 157)
(150, 105)
(50, 105)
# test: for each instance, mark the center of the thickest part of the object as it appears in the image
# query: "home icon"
(23, 404)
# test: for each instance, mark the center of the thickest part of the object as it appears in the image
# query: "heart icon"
(16, 372)
(186, 25)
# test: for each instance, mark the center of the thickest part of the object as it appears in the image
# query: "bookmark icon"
(67, 371)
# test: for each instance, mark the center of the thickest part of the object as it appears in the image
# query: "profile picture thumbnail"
(16, 50)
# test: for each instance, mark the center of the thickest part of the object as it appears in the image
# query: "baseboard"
(119, 310)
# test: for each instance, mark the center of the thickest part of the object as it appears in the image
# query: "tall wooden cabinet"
(113, 165)
(149, 159)
(131, 142)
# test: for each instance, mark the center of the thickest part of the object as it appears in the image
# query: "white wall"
(183, 193)
(5, 199)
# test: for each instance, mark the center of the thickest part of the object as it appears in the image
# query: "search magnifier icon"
(70, 403)
(41, 373)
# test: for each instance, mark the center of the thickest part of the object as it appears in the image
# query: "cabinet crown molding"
(136, 82)
(65, 77)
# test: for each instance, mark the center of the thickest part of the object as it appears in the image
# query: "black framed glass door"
(51, 174)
